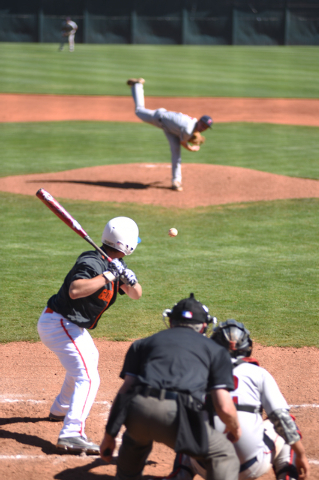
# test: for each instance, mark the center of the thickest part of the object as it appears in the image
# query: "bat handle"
(110, 275)
(91, 242)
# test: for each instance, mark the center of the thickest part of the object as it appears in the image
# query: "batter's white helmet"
(121, 233)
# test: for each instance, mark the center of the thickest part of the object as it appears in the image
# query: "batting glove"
(128, 277)
(116, 267)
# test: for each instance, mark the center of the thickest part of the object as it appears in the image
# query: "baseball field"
(247, 219)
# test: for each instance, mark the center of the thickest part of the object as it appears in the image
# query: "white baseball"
(172, 232)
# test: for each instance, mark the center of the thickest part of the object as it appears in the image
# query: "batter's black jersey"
(181, 360)
(86, 311)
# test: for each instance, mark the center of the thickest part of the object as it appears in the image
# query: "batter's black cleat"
(56, 418)
(77, 445)
(132, 81)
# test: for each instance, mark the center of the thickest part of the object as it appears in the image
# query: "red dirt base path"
(31, 374)
(45, 108)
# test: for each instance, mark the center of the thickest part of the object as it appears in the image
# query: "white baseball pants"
(153, 117)
(71, 42)
(79, 356)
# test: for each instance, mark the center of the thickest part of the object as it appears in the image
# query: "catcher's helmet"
(235, 337)
(121, 233)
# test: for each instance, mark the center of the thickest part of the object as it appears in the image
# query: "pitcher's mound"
(151, 184)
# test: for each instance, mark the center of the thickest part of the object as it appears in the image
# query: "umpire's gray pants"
(150, 419)
(153, 117)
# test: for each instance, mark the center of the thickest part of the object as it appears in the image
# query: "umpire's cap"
(190, 310)
(207, 120)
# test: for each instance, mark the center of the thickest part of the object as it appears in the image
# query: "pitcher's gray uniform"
(177, 127)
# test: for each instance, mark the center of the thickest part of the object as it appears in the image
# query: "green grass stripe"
(222, 71)
(59, 146)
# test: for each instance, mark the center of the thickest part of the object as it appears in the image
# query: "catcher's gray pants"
(150, 419)
(279, 456)
(154, 117)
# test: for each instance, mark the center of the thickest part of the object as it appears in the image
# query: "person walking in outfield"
(274, 442)
(166, 378)
(180, 129)
(90, 288)
(68, 30)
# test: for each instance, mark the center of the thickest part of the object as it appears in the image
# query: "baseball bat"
(64, 215)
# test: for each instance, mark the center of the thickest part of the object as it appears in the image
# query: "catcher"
(68, 30)
(180, 129)
(275, 442)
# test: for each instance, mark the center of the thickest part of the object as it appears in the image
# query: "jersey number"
(106, 295)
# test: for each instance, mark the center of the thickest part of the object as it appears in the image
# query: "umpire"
(166, 378)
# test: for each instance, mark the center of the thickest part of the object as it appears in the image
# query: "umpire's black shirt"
(181, 360)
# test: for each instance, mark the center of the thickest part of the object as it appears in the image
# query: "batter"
(89, 289)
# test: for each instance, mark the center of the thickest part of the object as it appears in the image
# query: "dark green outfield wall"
(192, 22)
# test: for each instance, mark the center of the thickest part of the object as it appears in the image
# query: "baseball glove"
(197, 139)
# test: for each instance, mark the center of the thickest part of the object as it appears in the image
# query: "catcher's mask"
(189, 310)
(121, 233)
(235, 337)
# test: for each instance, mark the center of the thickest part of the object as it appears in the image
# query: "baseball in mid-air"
(172, 232)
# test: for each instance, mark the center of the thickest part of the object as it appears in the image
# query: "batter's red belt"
(48, 310)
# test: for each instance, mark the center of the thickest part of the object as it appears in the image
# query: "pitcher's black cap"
(207, 120)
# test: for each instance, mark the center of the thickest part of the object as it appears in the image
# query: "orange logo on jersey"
(106, 295)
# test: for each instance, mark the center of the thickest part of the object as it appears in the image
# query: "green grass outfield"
(213, 71)
(256, 262)
(57, 146)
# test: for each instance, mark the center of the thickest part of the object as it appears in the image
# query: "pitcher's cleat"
(177, 186)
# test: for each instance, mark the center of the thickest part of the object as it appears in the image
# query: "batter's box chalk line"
(306, 405)
(15, 400)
